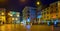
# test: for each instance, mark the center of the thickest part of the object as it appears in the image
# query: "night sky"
(17, 5)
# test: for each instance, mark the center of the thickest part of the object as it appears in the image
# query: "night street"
(29, 15)
(9, 27)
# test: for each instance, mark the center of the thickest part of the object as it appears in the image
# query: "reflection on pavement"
(28, 27)
(18, 27)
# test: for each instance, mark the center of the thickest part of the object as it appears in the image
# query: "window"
(18, 15)
(13, 18)
(57, 10)
(28, 11)
(47, 16)
(47, 12)
(56, 4)
(43, 10)
(28, 14)
(51, 11)
(56, 14)
(16, 18)
(44, 16)
(2, 13)
(58, 18)
(51, 7)
(44, 13)
(47, 8)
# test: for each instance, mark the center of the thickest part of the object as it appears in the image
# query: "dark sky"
(18, 6)
(44, 2)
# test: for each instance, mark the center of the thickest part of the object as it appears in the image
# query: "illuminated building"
(2, 15)
(13, 17)
(29, 14)
(52, 12)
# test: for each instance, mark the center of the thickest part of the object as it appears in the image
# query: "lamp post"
(37, 5)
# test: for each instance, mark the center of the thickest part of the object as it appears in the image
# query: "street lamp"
(38, 2)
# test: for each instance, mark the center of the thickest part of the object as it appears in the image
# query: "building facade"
(51, 13)
(7, 16)
(2, 15)
(13, 17)
(29, 14)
